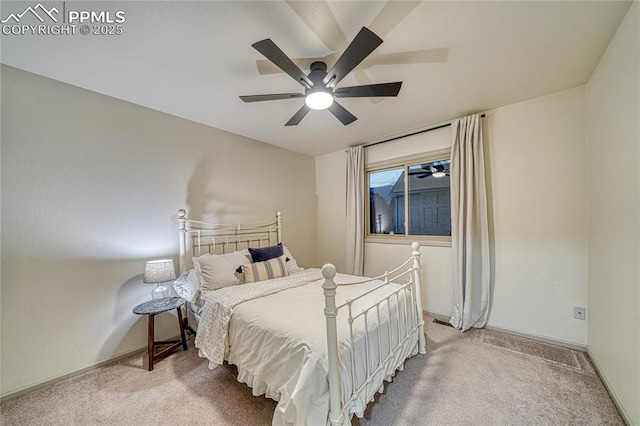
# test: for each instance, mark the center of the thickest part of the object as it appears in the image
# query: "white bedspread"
(211, 339)
(278, 342)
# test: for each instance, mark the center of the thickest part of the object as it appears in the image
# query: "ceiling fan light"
(439, 174)
(319, 100)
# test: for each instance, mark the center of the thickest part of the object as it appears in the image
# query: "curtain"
(469, 226)
(355, 211)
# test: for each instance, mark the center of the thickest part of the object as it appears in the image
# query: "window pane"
(386, 202)
(429, 199)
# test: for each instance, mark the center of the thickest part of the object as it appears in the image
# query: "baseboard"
(63, 377)
(612, 393)
(435, 315)
(538, 338)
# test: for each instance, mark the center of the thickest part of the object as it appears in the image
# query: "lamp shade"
(159, 271)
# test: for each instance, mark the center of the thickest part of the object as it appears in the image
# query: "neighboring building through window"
(422, 201)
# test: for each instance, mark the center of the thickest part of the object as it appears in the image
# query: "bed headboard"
(198, 238)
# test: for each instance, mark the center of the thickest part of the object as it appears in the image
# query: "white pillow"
(187, 286)
(292, 265)
(216, 271)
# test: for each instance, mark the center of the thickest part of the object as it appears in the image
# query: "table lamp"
(159, 272)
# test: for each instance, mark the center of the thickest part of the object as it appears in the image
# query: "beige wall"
(331, 195)
(536, 152)
(436, 275)
(90, 190)
(614, 216)
(537, 159)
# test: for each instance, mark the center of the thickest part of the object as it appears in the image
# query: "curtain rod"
(411, 134)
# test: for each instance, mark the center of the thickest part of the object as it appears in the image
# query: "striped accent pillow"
(260, 271)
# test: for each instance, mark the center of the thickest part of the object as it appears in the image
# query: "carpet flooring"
(480, 377)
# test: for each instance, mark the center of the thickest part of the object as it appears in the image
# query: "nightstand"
(153, 308)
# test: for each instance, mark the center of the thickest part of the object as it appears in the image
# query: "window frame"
(404, 162)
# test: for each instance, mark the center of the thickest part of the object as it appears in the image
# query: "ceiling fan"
(437, 169)
(320, 84)
(320, 19)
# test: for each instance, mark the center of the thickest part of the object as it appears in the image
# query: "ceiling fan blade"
(298, 116)
(370, 90)
(273, 97)
(277, 56)
(362, 78)
(420, 171)
(361, 47)
(341, 113)
(420, 175)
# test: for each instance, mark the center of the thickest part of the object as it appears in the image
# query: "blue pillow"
(266, 253)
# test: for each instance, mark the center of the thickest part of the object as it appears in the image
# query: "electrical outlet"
(580, 312)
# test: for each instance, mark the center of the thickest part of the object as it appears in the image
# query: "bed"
(318, 342)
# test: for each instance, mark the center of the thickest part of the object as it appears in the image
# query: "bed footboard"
(409, 323)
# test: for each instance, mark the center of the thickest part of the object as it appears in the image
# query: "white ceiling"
(193, 60)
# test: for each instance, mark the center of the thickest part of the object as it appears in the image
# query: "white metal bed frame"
(217, 238)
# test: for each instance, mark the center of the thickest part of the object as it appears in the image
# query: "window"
(417, 206)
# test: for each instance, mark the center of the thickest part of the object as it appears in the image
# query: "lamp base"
(160, 294)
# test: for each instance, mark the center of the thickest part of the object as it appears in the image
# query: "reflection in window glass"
(429, 200)
(386, 213)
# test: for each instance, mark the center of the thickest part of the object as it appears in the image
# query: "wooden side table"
(153, 308)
